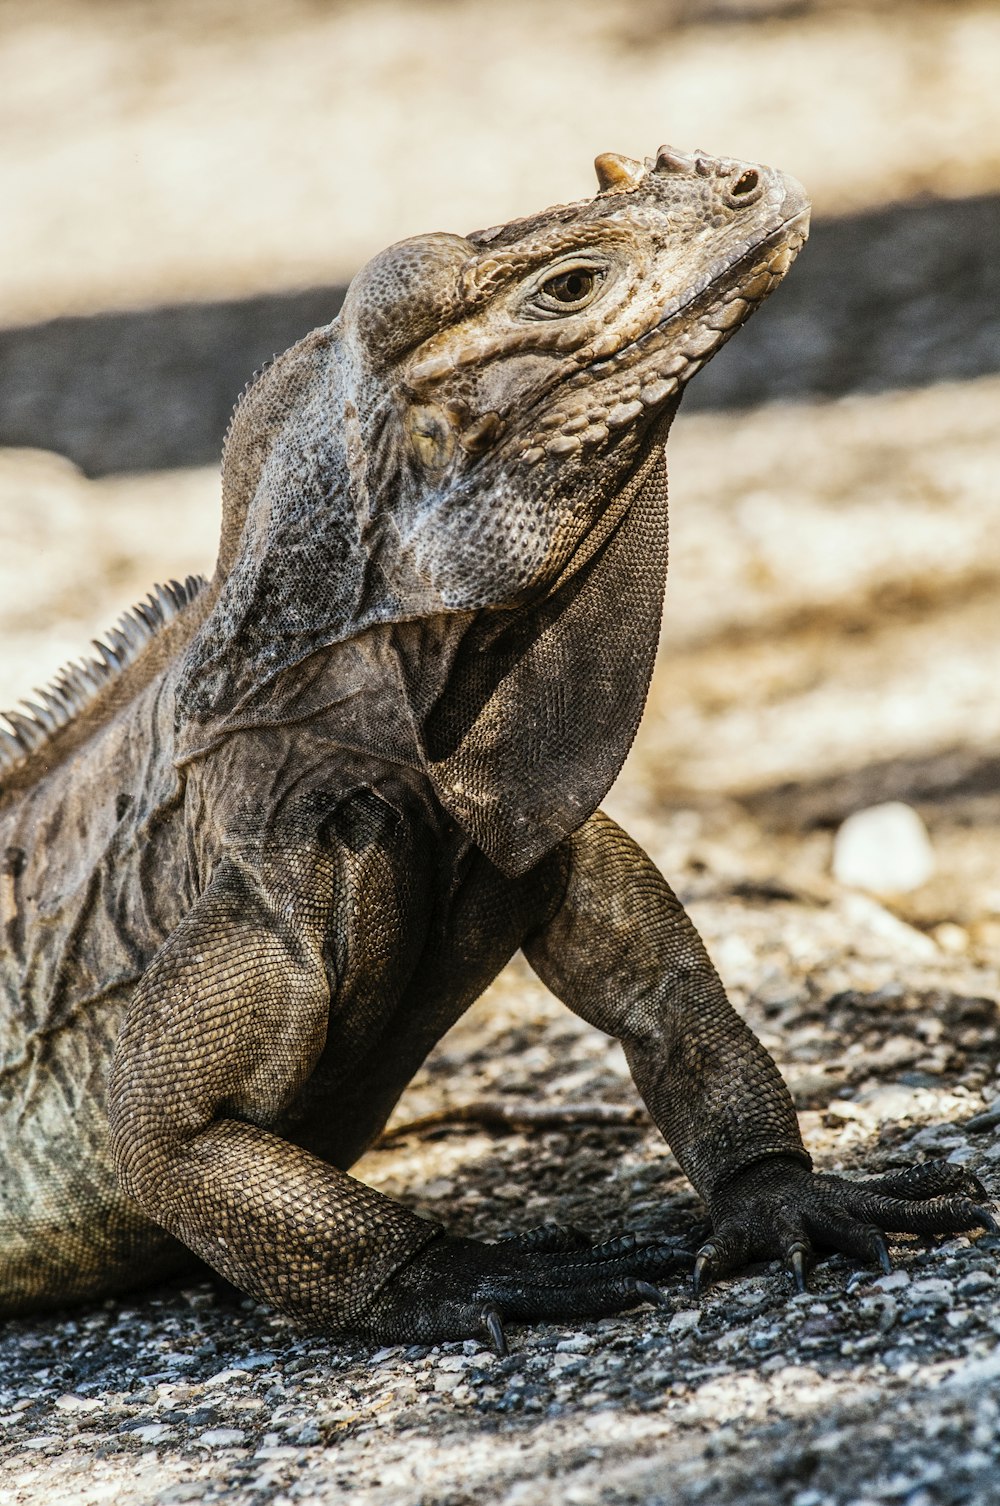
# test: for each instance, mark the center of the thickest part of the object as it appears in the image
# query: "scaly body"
(259, 860)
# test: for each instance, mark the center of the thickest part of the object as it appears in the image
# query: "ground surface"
(830, 641)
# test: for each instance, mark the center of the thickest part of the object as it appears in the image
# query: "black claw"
(987, 1219)
(493, 1324)
(702, 1264)
(882, 1255)
(651, 1293)
(797, 1261)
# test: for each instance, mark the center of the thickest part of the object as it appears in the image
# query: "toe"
(930, 1179)
(635, 1257)
(728, 1248)
(650, 1293)
(549, 1239)
(862, 1239)
(939, 1215)
(704, 1268)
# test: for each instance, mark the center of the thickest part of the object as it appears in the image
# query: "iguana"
(260, 856)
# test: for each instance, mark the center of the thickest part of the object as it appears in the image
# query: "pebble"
(884, 849)
(223, 1377)
(72, 1403)
(222, 1437)
(580, 1343)
(895, 1281)
(930, 1286)
(153, 1432)
(976, 1282)
(987, 1120)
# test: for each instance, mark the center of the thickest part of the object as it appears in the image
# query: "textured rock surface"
(830, 643)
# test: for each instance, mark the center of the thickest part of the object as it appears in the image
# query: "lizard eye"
(569, 289)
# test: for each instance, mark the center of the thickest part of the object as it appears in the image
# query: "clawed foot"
(779, 1209)
(460, 1288)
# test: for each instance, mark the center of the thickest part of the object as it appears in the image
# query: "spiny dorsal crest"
(247, 387)
(76, 685)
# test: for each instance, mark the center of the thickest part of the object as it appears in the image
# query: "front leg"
(224, 1030)
(226, 1027)
(622, 953)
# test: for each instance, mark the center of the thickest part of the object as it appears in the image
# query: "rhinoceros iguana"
(260, 856)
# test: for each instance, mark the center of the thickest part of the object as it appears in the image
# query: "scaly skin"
(259, 861)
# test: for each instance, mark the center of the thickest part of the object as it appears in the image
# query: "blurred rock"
(885, 849)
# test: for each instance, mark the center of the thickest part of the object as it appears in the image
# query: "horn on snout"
(616, 173)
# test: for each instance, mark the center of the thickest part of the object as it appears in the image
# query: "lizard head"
(444, 532)
(512, 380)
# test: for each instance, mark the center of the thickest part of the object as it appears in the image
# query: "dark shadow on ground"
(895, 297)
(957, 778)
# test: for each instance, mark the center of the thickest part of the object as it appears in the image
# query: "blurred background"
(188, 185)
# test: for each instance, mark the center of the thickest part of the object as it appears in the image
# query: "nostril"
(745, 183)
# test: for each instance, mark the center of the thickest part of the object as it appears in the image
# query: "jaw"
(624, 393)
(516, 432)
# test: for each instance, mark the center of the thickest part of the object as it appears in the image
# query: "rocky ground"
(829, 645)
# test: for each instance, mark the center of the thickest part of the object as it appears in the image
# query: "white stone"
(976, 1373)
(153, 1432)
(884, 849)
(894, 1282)
(931, 1286)
(225, 1377)
(73, 1403)
(579, 1343)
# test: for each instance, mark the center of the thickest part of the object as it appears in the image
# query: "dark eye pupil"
(570, 287)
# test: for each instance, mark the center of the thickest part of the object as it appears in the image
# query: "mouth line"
(699, 293)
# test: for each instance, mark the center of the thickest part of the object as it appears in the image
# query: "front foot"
(778, 1209)
(461, 1288)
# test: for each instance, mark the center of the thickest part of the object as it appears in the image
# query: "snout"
(733, 185)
